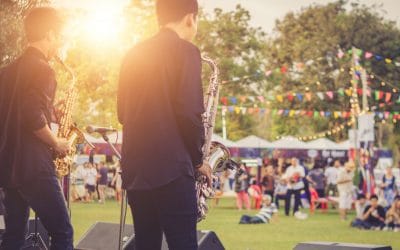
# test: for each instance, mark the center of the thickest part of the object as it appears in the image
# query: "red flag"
(388, 97)
(290, 97)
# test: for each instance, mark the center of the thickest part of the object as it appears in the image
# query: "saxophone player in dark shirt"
(27, 144)
(160, 104)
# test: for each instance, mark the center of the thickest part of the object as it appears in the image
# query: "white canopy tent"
(253, 141)
(289, 143)
(227, 143)
(323, 144)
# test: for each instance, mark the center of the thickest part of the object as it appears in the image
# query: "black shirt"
(380, 211)
(27, 90)
(160, 103)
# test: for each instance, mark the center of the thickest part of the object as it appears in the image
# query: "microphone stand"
(123, 200)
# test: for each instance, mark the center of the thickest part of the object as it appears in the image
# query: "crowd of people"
(96, 181)
(320, 184)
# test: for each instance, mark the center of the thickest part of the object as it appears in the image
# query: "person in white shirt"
(345, 188)
(294, 175)
(90, 181)
(331, 174)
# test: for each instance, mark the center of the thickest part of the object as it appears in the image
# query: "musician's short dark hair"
(169, 11)
(40, 20)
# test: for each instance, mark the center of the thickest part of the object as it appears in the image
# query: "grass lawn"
(284, 233)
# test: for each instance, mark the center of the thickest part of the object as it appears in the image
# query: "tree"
(312, 38)
(12, 41)
(238, 49)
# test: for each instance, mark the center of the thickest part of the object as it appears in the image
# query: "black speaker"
(206, 240)
(338, 246)
(104, 236)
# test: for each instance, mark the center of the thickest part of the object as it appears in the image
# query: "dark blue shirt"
(27, 90)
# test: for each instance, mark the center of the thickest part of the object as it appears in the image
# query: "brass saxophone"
(216, 154)
(67, 128)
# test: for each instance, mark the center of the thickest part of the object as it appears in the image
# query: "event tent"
(323, 144)
(289, 143)
(227, 143)
(253, 141)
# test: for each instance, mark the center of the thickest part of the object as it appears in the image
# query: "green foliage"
(312, 37)
(12, 13)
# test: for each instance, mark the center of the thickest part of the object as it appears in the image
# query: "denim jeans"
(45, 197)
(170, 209)
(289, 194)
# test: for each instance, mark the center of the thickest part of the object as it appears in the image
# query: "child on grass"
(265, 215)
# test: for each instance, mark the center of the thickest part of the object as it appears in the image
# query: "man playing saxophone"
(27, 171)
(160, 104)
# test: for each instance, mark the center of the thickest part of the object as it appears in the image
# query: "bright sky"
(264, 12)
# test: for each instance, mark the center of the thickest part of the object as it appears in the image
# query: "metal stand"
(124, 202)
(36, 240)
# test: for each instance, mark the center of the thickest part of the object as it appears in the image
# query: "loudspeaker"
(206, 240)
(338, 246)
(104, 236)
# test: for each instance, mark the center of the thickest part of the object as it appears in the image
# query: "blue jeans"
(45, 197)
(170, 209)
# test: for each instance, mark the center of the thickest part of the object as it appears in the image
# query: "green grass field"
(284, 233)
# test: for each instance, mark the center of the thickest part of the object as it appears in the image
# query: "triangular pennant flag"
(322, 113)
(336, 114)
(388, 60)
(242, 99)
(262, 111)
(303, 112)
(300, 66)
(279, 98)
(250, 110)
(369, 92)
(284, 69)
(378, 58)
(292, 112)
(348, 92)
(397, 64)
(329, 94)
(316, 114)
(359, 52)
(224, 100)
(376, 92)
(243, 109)
(328, 114)
(388, 96)
(308, 96)
(261, 98)
(268, 73)
(237, 110)
(368, 55)
(290, 97)
(299, 97)
(386, 115)
(320, 95)
(310, 113)
(341, 92)
(274, 112)
(233, 100)
(286, 113)
(251, 98)
(359, 91)
(231, 109)
(340, 54)
(297, 112)
(280, 112)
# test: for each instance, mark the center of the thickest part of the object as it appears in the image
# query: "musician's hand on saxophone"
(62, 147)
(205, 169)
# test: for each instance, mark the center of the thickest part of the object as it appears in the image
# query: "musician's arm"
(47, 136)
(190, 104)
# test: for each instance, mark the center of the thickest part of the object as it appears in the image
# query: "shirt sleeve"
(190, 104)
(36, 100)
